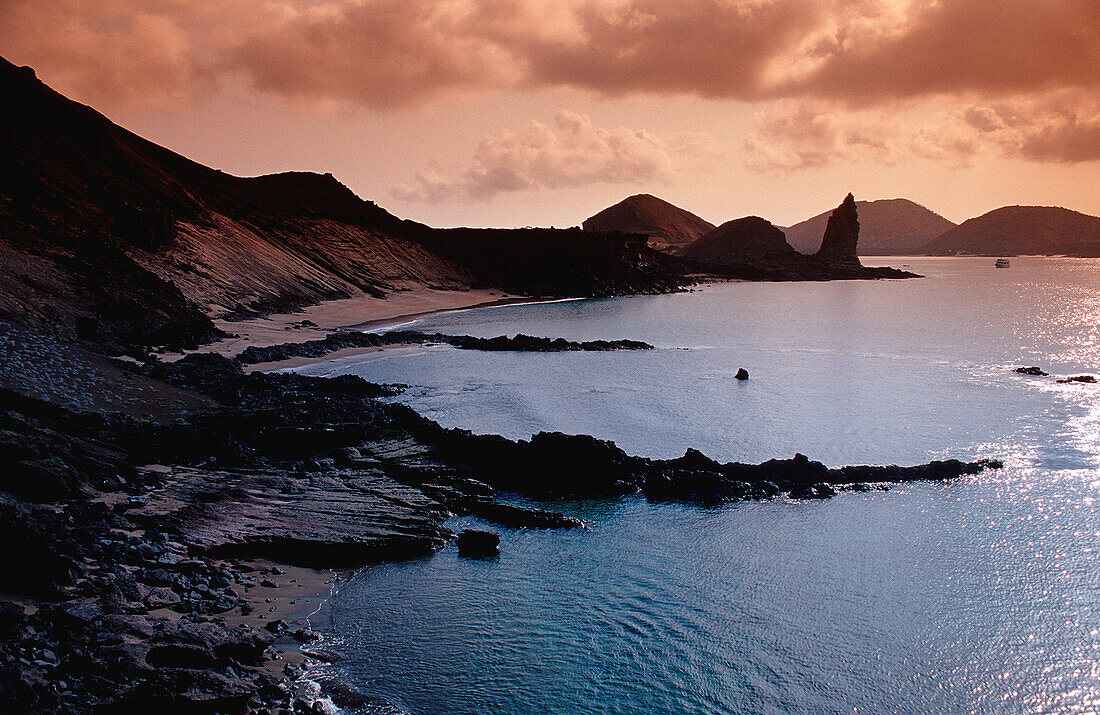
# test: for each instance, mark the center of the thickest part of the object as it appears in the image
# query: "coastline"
(296, 362)
(362, 312)
(323, 319)
(297, 470)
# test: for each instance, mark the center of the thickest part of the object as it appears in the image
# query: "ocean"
(980, 595)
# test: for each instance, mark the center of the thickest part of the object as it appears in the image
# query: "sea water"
(979, 595)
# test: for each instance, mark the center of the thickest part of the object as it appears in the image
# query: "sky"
(543, 112)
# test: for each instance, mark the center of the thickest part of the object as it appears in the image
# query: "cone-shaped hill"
(668, 227)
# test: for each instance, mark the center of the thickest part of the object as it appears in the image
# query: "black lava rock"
(473, 542)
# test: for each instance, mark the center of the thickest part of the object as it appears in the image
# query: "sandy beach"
(363, 313)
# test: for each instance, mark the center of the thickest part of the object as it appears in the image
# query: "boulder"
(1038, 372)
(742, 374)
(477, 543)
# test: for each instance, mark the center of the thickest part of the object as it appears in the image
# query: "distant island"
(668, 227)
(1022, 230)
(888, 227)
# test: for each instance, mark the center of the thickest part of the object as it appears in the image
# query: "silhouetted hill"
(139, 245)
(742, 240)
(668, 227)
(753, 249)
(889, 227)
(1014, 230)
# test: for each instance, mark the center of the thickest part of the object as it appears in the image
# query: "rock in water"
(473, 542)
(742, 374)
(1037, 371)
(841, 235)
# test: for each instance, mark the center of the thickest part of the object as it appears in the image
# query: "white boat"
(1002, 263)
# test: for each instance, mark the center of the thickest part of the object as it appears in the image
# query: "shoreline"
(410, 318)
(304, 334)
(296, 362)
(399, 309)
(321, 319)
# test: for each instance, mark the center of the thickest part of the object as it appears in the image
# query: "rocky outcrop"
(580, 466)
(478, 543)
(744, 240)
(502, 343)
(839, 244)
(887, 227)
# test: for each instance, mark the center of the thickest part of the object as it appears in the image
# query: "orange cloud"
(389, 53)
(1062, 127)
(109, 50)
(826, 72)
(569, 152)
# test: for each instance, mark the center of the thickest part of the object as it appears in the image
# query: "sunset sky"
(541, 112)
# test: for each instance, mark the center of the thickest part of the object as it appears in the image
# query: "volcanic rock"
(473, 542)
(841, 235)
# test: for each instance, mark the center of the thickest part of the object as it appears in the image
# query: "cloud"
(110, 50)
(1061, 127)
(986, 47)
(569, 152)
(394, 53)
(790, 136)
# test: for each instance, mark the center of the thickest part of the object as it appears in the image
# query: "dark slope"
(142, 246)
(741, 240)
(1013, 230)
(890, 227)
(98, 223)
(556, 262)
(667, 227)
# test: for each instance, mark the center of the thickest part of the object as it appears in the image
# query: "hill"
(1013, 230)
(742, 240)
(136, 245)
(668, 227)
(751, 248)
(888, 227)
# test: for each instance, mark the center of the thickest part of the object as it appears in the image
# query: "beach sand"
(363, 313)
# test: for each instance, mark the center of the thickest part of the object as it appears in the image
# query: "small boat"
(1002, 263)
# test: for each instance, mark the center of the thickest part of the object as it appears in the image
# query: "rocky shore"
(130, 583)
(344, 340)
